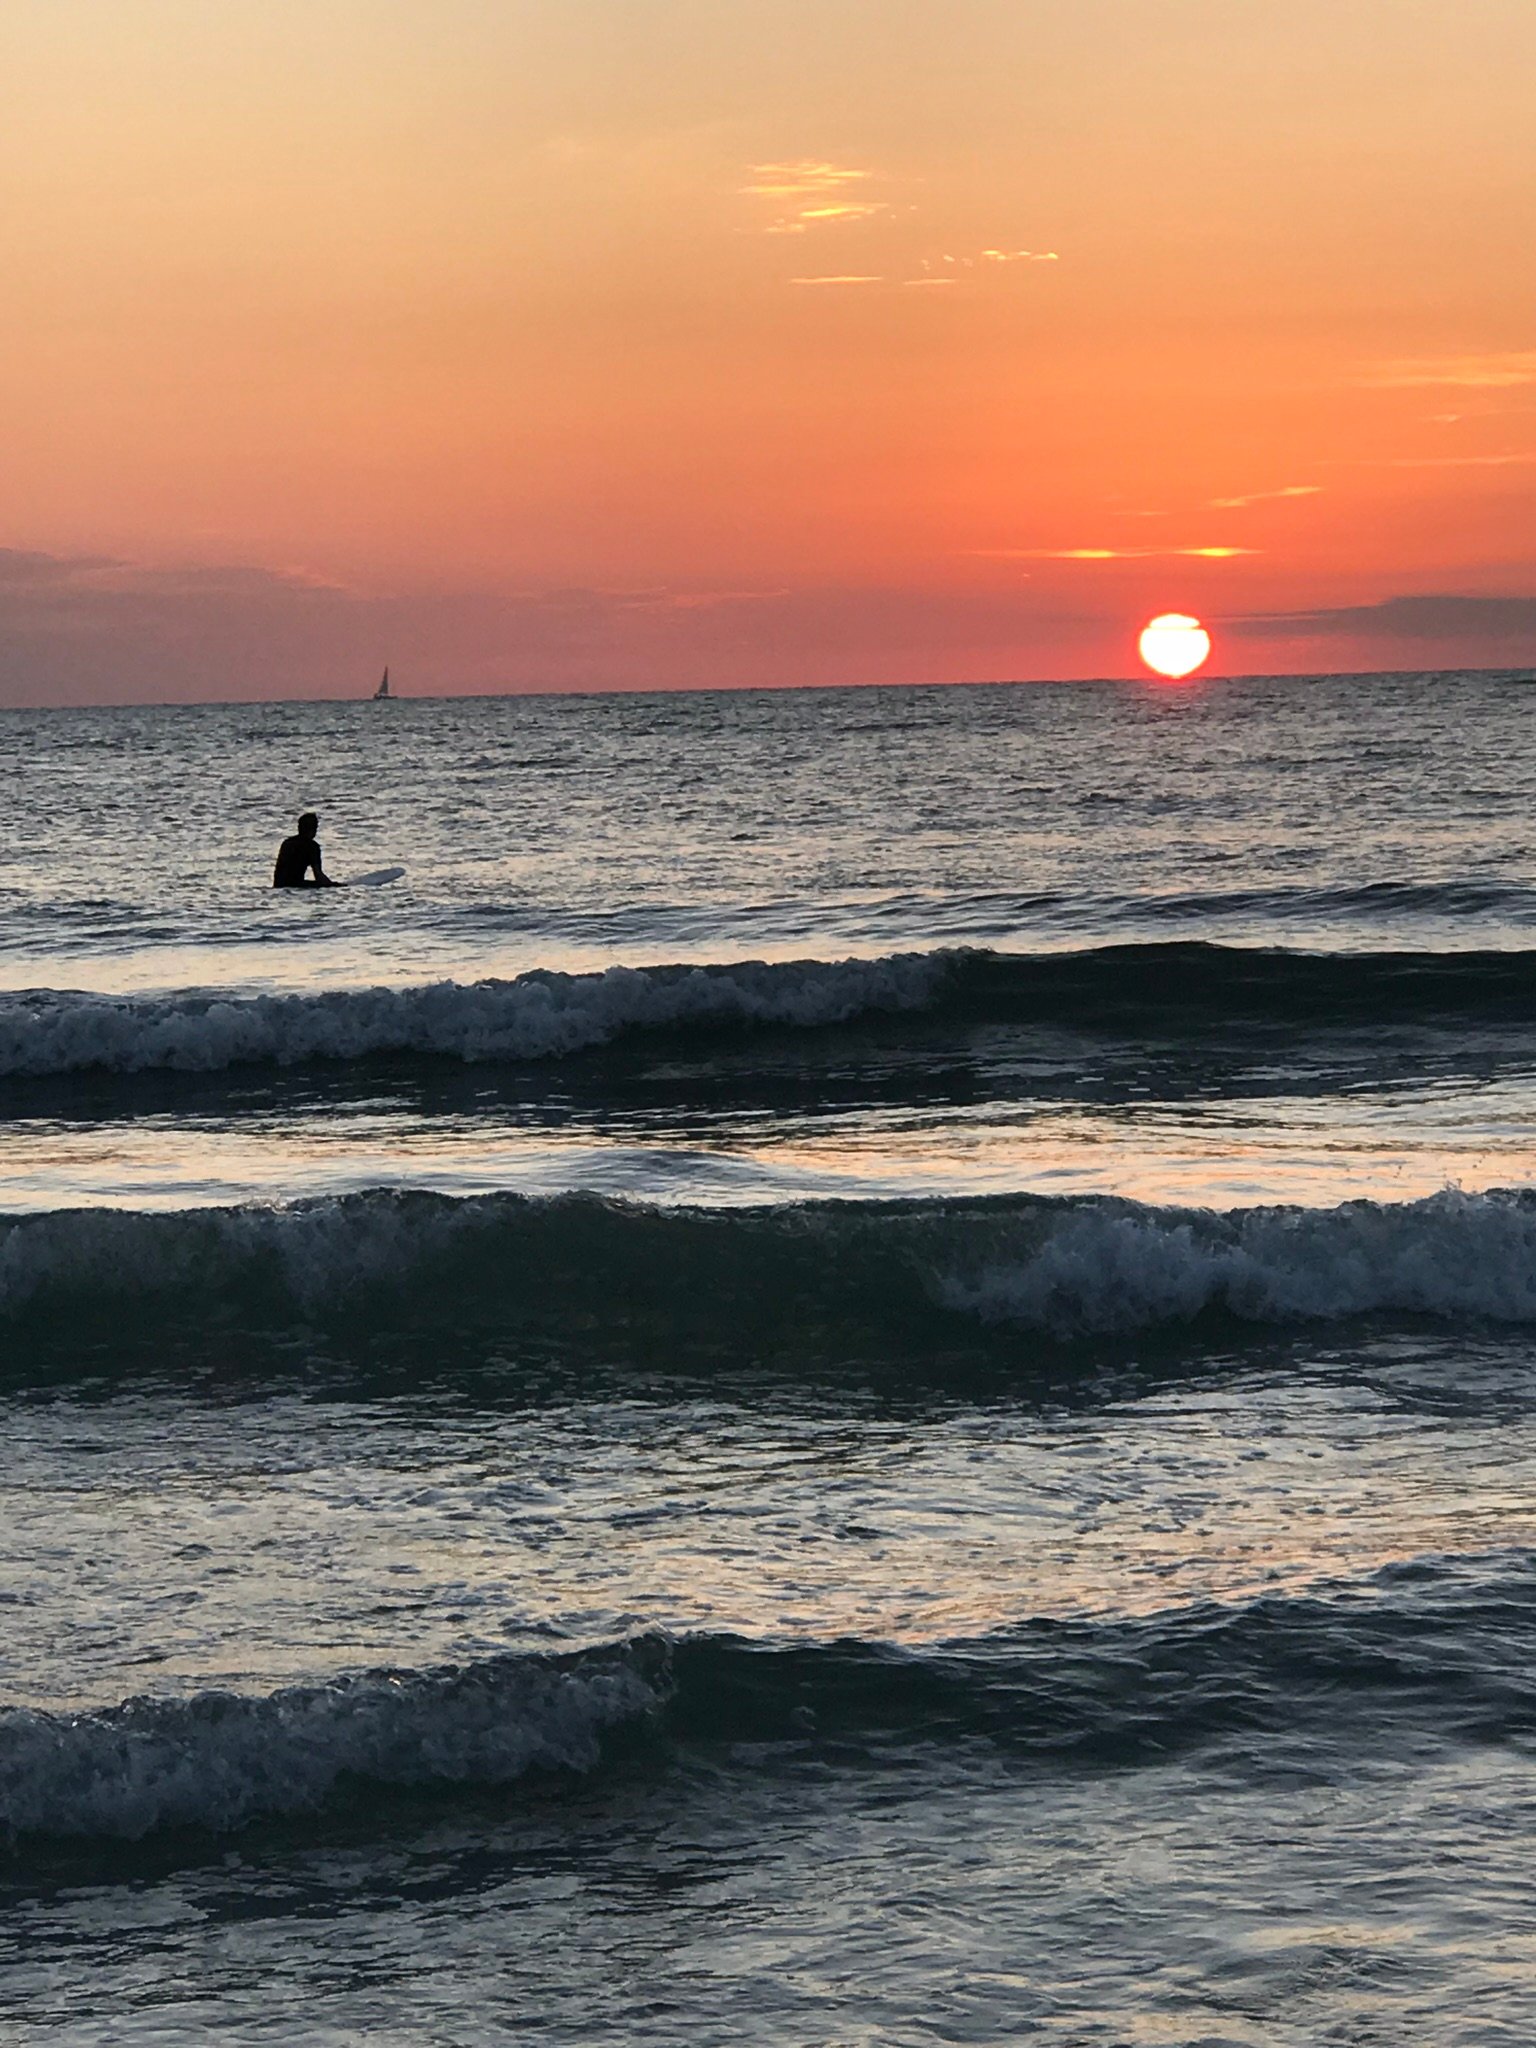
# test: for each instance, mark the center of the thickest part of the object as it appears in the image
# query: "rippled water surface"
(861, 1369)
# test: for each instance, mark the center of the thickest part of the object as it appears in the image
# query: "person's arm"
(322, 879)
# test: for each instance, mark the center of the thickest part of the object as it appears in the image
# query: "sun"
(1174, 644)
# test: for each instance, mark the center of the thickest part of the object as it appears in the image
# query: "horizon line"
(1523, 671)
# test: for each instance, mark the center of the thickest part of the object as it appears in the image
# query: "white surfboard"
(374, 878)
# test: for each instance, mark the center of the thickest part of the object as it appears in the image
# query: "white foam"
(536, 1016)
(1119, 1266)
(220, 1759)
(1069, 1267)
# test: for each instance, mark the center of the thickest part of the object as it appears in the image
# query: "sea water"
(861, 1370)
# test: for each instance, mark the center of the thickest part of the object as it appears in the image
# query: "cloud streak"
(25, 573)
(1499, 372)
(1430, 615)
(804, 178)
(947, 269)
(1264, 497)
(1208, 554)
(845, 212)
(1462, 461)
(663, 598)
(821, 195)
(815, 193)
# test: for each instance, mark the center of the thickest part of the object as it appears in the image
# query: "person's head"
(309, 825)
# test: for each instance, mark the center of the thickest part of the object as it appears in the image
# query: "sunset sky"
(534, 344)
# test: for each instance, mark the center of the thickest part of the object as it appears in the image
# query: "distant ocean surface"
(861, 1370)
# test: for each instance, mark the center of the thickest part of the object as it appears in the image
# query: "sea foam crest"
(1426, 1644)
(1071, 1268)
(1188, 986)
(1109, 1266)
(218, 1759)
(538, 1016)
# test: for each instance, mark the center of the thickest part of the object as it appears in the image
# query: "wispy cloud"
(1498, 372)
(711, 600)
(825, 216)
(950, 269)
(804, 178)
(1264, 497)
(661, 597)
(1208, 554)
(1430, 615)
(816, 194)
(810, 194)
(113, 576)
(1521, 461)
(846, 212)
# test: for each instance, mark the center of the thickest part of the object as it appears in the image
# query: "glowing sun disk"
(1174, 645)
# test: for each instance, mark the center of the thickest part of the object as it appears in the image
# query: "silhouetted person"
(299, 856)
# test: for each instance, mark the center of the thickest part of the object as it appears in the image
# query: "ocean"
(861, 1370)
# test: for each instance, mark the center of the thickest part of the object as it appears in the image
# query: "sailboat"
(381, 694)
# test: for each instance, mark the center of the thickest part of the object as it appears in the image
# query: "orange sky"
(625, 343)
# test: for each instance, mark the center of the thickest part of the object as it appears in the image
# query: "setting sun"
(1174, 645)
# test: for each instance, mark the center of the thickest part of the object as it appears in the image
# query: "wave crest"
(1067, 1268)
(1189, 987)
(538, 1016)
(1425, 1648)
(218, 1759)
(1117, 1266)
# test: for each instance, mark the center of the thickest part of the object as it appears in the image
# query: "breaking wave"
(538, 1016)
(218, 1759)
(543, 1015)
(1068, 1268)
(1424, 1650)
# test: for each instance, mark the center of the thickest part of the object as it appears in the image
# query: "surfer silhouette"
(299, 856)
